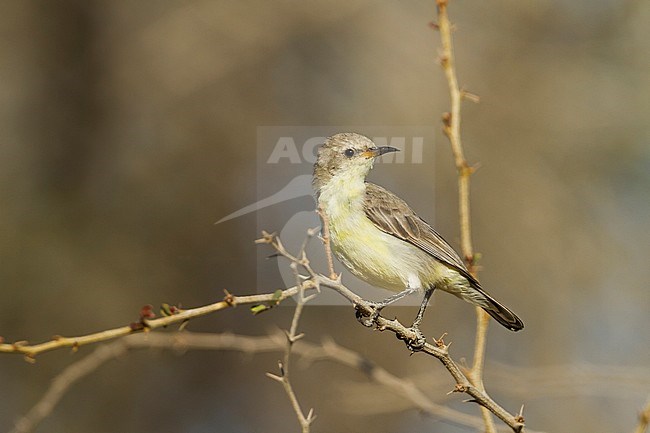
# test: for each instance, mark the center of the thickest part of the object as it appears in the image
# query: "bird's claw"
(417, 343)
(368, 320)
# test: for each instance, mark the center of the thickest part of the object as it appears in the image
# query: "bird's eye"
(349, 153)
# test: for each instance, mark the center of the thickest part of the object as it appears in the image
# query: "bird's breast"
(366, 251)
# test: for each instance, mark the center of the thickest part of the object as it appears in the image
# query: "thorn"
(433, 26)
(470, 96)
(440, 342)
(458, 388)
(272, 256)
(266, 238)
(229, 298)
(183, 324)
(30, 359)
(310, 415)
(274, 377)
(471, 400)
(520, 416)
(281, 367)
(466, 170)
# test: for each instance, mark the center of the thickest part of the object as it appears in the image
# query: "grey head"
(346, 154)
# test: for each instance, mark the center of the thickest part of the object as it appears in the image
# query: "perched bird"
(381, 240)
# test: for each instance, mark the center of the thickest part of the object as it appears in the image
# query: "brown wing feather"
(392, 215)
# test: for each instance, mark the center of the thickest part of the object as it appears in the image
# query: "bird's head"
(347, 154)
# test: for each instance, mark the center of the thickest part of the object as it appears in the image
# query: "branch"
(327, 350)
(292, 337)
(61, 383)
(439, 350)
(314, 280)
(145, 324)
(451, 122)
(326, 242)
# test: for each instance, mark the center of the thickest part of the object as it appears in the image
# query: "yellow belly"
(372, 255)
(379, 258)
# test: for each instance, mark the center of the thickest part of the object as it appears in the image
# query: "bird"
(381, 240)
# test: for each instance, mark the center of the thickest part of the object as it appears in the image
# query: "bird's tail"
(499, 312)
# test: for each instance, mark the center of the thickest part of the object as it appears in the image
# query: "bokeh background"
(128, 128)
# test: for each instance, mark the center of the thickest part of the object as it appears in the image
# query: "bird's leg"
(419, 341)
(423, 306)
(368, 320)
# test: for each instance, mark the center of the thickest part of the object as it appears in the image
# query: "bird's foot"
(365, 318)
(417, 342)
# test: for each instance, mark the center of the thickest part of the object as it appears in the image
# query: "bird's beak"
(374, 152)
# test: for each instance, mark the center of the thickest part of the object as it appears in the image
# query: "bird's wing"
(392, 215)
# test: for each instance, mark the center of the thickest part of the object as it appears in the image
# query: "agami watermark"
(285, 202)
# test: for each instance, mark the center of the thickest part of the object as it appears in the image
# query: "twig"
(326, 242)
(451, 123)
(644, 419)
(60, 385)
(293, 336)
(182, 316)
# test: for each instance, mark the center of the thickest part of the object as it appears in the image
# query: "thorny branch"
(313, 280)
(439, 349)
(451, 128)
(328, 350)
(180, 316)
(292, 337)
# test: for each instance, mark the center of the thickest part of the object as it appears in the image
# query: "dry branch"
(292, 337)
(439, 349)
(328, 350)
(312, 280)
(181, 316)
(451, 128)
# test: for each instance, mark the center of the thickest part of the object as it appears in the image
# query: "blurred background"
(128, 128)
